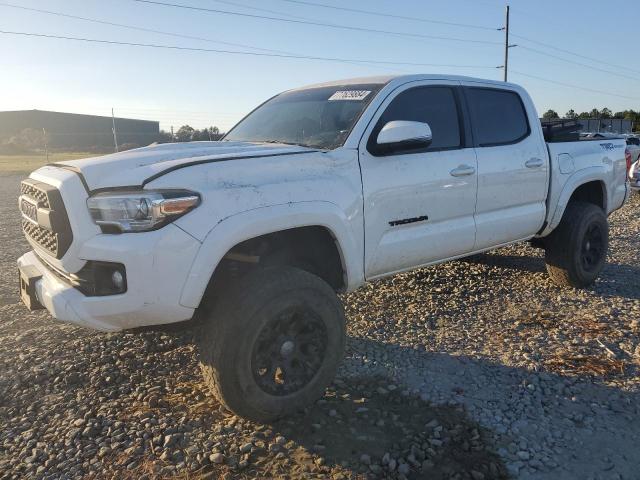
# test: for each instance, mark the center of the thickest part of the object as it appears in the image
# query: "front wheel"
(576, 250)
(273, 343)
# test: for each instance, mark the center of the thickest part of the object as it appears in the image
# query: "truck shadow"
(369, 425)
(616, 280)
(552, 412)
(388, 399)
(436, 415)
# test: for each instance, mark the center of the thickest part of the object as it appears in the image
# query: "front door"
(419, 205)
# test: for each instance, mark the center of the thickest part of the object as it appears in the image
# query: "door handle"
(462, 171)
(533, 163)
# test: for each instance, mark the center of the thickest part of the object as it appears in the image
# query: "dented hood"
(142, 165)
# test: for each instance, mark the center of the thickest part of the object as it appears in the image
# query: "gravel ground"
(477, 369)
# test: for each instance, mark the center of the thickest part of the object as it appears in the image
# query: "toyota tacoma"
(315, 192)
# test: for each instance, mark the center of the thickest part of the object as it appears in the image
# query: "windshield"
(316, 117)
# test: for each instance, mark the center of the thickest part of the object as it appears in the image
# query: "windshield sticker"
(357, 95)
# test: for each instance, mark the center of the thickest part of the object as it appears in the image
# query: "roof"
(385, 79)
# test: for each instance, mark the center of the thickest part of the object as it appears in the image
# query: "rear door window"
(498, 116)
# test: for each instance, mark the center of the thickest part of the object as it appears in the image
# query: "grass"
(24, 164)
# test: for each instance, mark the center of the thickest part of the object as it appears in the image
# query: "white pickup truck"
(315, 192)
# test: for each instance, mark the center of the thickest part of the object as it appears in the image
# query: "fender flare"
(576, 180)
(253, 223)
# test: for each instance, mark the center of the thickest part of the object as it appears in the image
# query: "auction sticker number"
(350, 95)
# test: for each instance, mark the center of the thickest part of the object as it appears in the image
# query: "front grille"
(44, 217)
(31, 191)
(43, 237)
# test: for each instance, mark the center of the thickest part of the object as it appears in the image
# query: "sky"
(591, 65)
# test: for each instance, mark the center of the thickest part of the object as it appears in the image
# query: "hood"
(141, 165)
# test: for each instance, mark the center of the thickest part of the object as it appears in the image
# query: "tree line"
(33, 140)
(187, 133)
(605, 113)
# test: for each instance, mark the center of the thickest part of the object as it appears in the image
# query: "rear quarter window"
(498, 116)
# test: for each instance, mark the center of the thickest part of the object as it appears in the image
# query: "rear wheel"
(273, 344)
(576, 250)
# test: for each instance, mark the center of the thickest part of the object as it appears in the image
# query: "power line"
(585, 57)
(150, 30)
(235, 52)
(540, 52)
(142, 29)
(319, 24)
(569, 85)
(388, 15)
(258, 9)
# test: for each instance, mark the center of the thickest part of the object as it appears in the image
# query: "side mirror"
(404, 136)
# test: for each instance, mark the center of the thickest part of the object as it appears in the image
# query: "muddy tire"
(576, 250)
(273, 343)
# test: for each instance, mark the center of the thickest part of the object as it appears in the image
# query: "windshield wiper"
(284, 143)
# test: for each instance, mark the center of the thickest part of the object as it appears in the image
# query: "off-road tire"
(235, 328)
(566, 246)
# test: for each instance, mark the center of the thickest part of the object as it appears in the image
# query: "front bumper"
(157, 265)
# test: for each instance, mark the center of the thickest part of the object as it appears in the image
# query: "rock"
(246, 448)
(104, 451)
(476, 475)
(171, 440)
(216, 458)
(365, 459)
(523, 455)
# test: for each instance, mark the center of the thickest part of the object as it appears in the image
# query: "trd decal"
(404, 221)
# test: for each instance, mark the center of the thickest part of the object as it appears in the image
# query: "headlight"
(140, 210)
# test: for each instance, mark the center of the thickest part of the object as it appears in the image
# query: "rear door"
(512, 165)
(419, 205)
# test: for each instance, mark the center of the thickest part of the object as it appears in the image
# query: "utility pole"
(506, 44)
(115, 136)
(44, 139)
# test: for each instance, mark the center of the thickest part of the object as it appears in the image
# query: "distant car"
(632, 151)
(632, 140)
(634, 176)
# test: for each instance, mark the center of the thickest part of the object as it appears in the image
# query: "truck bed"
(573, 163)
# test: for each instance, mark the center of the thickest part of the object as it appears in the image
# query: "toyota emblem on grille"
(29, 209)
